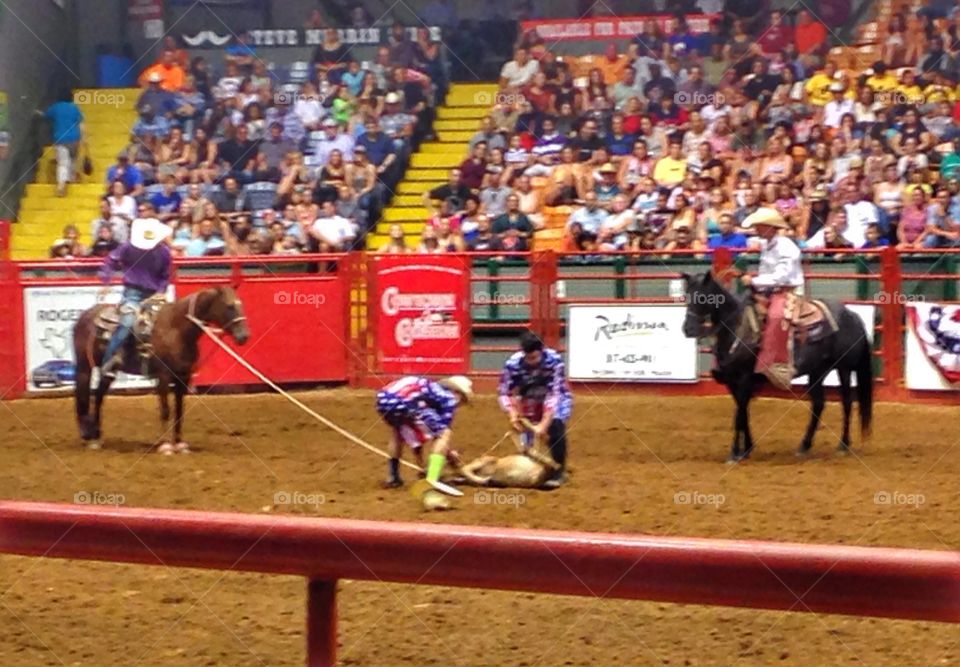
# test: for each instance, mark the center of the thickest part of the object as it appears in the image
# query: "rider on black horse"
(145, 261)
(780, 279)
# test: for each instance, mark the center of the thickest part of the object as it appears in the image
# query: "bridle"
(192, 309)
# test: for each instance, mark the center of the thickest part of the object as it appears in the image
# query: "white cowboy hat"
(461, 384)
(148, 233)
(765, 216)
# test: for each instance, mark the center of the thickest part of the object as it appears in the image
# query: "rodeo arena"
(505, 334)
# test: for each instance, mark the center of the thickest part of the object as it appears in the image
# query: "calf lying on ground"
(524, 471)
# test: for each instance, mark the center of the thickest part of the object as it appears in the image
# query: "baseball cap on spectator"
(359, 148)
(155, 77)
(329, 121)
(836, 87)
(856, 162)
(819, 193)
(392, 98)
(122, 155)
(608, 168)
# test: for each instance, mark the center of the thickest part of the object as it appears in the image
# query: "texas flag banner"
(933, 343)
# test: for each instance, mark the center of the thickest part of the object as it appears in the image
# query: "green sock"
(435, 467)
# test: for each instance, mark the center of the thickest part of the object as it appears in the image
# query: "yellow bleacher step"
(409, 227)
(457, 136)
(470, 112)
(405, 214)
(78, 189)
(418, 187)
(34, 204)
(437, 160)
(443, 147)
(407, 200)
(457, 125)
(58, 218)
(432, 175)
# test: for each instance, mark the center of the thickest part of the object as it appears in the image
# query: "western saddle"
(108, 319)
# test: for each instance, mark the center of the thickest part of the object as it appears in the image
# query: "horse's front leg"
(179, 391)
(102, 388)
(744, 445)
(817, 401)
(163, 394)
(737, 432)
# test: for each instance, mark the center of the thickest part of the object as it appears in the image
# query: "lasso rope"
(320, 418)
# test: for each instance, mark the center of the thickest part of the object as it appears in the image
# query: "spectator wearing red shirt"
(474, 168)
(809, 35)
(777, 35)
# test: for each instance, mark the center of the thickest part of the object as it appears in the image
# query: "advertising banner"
(49, 316)
(933, 347)
(636, 343)
(621, 27)
(421, 311)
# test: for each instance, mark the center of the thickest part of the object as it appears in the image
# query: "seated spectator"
(123, 207)
(238, 154)
(474, 168)
(619, 143)
(275, 147)
(683, 239)
(429, 243)
(585, 223)
(397, 243)
(493, 198)
(484, 240)
(449, 239)
(728, 236)
(167, 72)
(150, 123)
(587, 141)
(489, 135)
(189, 106)
(518, 72)
(615, 229)
(206, 240)
(381, 153)
(167, 202)
(127, 174)
(103, 241)
(513, 228)
(331, 232)
(68, 246)
(671, 169)
(942, 231)
(322, 144)
(875, 238)
(348, 207)
(607, 188)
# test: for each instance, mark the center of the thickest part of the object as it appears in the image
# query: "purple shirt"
(146, 269)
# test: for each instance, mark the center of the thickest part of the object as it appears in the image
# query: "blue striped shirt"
(546, 383)
(416, 398)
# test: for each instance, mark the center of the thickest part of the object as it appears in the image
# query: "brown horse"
(173, 339)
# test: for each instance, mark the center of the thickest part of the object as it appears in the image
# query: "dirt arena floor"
(637, 463)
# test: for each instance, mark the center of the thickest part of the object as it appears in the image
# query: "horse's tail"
(864, 371)
(82, 333)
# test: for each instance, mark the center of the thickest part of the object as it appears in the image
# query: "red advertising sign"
(621, 27)
(421, 314)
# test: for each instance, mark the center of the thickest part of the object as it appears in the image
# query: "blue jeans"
(128, 308)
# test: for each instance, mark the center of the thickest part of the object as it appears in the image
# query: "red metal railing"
(878, 582)
(533, 281)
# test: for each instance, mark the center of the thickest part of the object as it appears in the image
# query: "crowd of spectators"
(239, 159)
(670, 142)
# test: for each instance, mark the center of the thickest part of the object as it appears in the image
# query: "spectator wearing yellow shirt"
(882, 80)
(909, 90)
(612, 65)
(671, 169)
(817, 87)
(942, 89)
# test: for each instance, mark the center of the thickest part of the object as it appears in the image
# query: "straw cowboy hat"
(765, 216)
(460, 384)
(148, 233)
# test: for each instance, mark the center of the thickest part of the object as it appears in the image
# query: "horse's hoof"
(802, 453)
(166, 449)
(733, 460)
(92, 444)
(843, 450)
(182, 448)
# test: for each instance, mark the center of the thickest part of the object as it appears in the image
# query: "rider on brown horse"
(145, 262)
(780, 277)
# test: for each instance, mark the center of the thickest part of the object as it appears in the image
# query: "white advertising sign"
(932, 347)
(866, 313)
(49, 315)
(636, 343)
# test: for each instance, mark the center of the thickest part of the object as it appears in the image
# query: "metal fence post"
(892, 344)
(620, 285)
(321, 623)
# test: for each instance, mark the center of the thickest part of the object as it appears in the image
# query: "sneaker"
(556, 481)
(393, 483)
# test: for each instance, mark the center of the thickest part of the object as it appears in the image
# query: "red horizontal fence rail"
(862, 581)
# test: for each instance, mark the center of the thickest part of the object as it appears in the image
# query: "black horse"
(711, 309)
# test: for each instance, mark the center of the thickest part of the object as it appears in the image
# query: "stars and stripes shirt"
(416, 398)
(545, 383)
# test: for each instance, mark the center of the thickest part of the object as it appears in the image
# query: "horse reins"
(192, 309)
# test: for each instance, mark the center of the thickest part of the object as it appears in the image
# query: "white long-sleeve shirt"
(780, 264)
